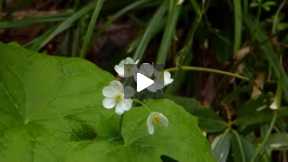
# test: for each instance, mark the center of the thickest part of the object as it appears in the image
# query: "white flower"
(120, 67)
(156, 118)
(114, 97)
(167, 78)
(274, 106)
(180, 2)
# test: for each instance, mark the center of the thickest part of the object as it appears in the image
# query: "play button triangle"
(143, 82)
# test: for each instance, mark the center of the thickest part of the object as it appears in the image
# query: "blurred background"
(245, 37)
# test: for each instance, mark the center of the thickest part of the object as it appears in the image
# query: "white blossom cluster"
(114, 97)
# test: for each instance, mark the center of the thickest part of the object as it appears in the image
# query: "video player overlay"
(142, 78)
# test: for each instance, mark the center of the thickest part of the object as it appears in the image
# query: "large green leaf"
(182, 140)
(43, 101)
(51, 111)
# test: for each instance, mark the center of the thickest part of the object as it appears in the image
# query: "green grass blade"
(237, 25)
(154, 27)
(185, 55)
(76, 41)
(91, 27)
(36, 42)
(34, 20)
(240, 145)
(66, 24)
(168, 32)
(127, 9)
(276, 17)
(261, 147)
(196, 7)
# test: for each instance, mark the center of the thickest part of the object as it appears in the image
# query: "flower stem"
(210, 70)
(276, 17)
(242, 152)
(143, 104)
(267, 135)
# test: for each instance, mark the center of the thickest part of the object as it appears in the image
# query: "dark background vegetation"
(247, 37)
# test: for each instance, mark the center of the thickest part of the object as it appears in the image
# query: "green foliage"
(153, 28)
(256, 112)
(51, 110)
(209, 121)
(63, 26)
(91, 26)
(242, 149)
(278, 141)
(221, 146)
(169, 31)
(34, 20)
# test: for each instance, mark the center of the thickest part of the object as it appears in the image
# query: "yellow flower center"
(156, 119)
(119, 98)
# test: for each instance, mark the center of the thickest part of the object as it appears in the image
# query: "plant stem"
(169, 32)
(240, 145)
(75, 41)
(91, 27)
(277, 99)
(276, 17)
(143, 104)
(203, 69)
(185, 55)
(267, 135)
(196, 7)
(64, 25)
(126, 9)
(152, 29)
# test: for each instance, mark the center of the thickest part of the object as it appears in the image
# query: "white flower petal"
(163, 120)
(127, 104)
(109, 91)
(180, 2)
(167, 78)
(120, 67)
(114, 97)
(119, 70)
(274, 106)
(113, 89)
(119, 110)
(149, 124)
(109, 103)
(156, 118)
(123, 106)
(129, 60)
(117, 84)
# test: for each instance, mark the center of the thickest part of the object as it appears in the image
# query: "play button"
(143, 82)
